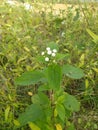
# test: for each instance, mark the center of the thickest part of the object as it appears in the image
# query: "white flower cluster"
(49, 53)
(10, 2)
(28, 6)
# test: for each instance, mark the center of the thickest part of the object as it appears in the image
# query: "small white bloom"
(54, 50)
(62, 34)
(42, 53)
(49, 52)
(63, 22)
(27, 6)
(10, 2)
(48, 48)
(53, 54)
(57, 12)
(46, 59)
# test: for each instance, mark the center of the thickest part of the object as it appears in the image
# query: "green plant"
(51, 106)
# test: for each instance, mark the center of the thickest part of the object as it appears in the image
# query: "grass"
(24, 34)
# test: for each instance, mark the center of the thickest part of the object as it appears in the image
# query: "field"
(48, 66)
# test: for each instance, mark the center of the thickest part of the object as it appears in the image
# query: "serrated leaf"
(60, 56)
(33, 112)
(30, 77)
(72, 72)
(54, 75)
(71, 103)
(40, 98)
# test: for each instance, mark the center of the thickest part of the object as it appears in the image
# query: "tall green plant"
(51, 106)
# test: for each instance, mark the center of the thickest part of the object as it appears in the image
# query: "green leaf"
(30, 77)
(43, 100)
(40, 59)
(33, 126)
(16, 123)
(73, 72)
(40, 98)
(54, 75)
(60, 56)
(94, 36)
(53, 45)
(43, 88)
(61, 111)
(61, 98)
(33, 112)
(7, 110)
(96, 126)
(71, 103)
(71, 127)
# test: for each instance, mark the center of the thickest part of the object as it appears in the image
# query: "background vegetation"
(24, 32)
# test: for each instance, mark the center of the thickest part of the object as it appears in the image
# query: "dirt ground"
(55, 8)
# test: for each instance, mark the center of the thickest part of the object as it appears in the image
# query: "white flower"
(49, 52)
(48, 48)
(10, 2)
(62, 34)
(42, 53)
(54, 50)
(27, 6)
(53, 54)
(46, 59)
(63, 22)
(57, 12)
